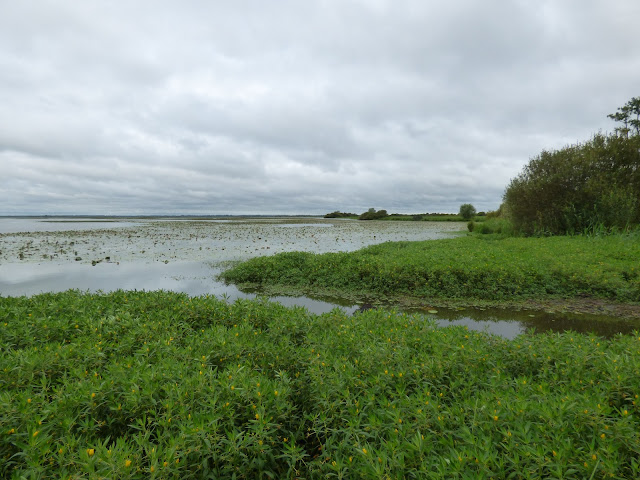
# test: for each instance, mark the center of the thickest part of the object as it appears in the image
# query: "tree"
(583, 187)
(586, 186)
(371, 214)
(338, 214)
(467, 211)
(625, 115)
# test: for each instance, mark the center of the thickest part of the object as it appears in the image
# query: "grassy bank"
(467, 268)
(144, 385)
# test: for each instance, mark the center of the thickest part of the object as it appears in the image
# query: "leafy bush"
(495, 213)
(499, 226)
(467, 211)
(578, 188)
(372, 214)
(338, 214)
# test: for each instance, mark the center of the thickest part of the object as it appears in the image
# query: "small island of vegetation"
(373, 214)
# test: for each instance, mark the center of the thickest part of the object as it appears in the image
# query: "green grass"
(160, 385)
(482, 267)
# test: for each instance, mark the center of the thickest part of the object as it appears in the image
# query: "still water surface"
(51, 255)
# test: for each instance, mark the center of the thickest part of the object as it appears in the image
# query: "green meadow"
(465, 269)
(163, 385)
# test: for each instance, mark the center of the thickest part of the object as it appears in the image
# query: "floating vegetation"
(160, 240)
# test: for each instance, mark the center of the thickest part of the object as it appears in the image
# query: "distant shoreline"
(151, 217)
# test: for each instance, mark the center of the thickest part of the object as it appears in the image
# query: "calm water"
(48, 255)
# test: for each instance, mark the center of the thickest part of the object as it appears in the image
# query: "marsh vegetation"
(464, 269)
(163, 385)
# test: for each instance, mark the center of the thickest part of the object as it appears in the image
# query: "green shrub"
(467, 211)
(578, 188)
(500, 226)
(338, 214)
(372, 214)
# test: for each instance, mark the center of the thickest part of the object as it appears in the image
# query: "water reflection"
(198, 278)
(510, 323)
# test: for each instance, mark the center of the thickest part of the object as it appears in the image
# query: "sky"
(298, 107)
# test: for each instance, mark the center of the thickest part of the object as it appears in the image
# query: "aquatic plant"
(158, 384)
(481, 267)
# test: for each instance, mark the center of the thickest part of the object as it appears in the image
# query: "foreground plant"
(157, 384)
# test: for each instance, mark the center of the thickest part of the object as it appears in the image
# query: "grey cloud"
(298, 107)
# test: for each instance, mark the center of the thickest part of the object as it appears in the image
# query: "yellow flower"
(257, 417)
(495, 418)
(90, 451)
(127, 463)
(35, 434)
(364, 450)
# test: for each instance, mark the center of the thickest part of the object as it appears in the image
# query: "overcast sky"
(298, 106)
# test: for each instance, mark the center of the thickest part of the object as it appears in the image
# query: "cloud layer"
(155, 107)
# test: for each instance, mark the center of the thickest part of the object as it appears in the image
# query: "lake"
(186, 254)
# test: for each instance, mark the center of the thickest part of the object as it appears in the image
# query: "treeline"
(373, 214)
(586, 187)
(582, 187)
(338, 214)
